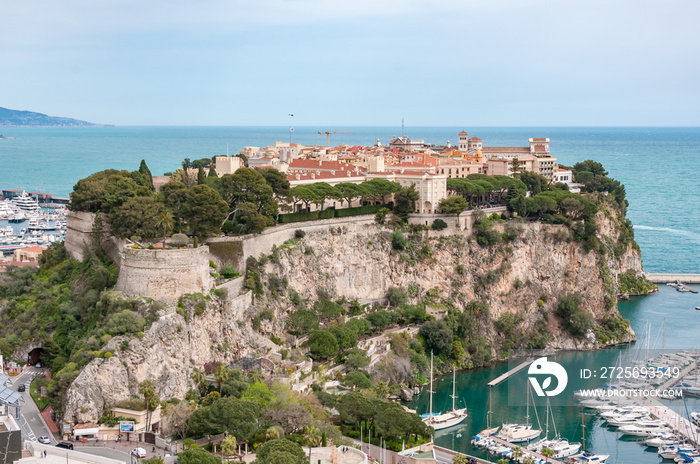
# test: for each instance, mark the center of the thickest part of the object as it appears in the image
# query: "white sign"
(126, 426)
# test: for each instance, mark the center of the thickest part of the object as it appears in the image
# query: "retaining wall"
(235, 250)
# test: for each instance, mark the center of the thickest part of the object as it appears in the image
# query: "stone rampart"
(235, 250)
(164, 275)
(79, 236)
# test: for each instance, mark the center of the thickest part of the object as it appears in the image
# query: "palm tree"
(503, 461)
(228, 446)
(529, 460)
(312, 436)
(547, 452)
(165, 220)
(460, 459)
(517, 453)
(272, 433)
(197, 377)
(221, 375)
(382, 389)
(148, 390)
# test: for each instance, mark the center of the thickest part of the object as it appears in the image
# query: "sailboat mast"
(454, 385)
(488, 416)
(583, 432)
(430, 412)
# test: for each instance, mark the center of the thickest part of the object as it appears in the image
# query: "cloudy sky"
(354, 62)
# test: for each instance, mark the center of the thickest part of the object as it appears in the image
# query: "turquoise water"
(682, 328)
(657, 165)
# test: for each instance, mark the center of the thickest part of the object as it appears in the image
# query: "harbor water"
(674, 309)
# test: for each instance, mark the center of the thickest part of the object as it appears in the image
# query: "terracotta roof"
(539, 140)
(320, 176)
(476, 139)
(85, 426)
(507, 149)
(463, 133)
(33, 249)
(312, 164)
(540, 148)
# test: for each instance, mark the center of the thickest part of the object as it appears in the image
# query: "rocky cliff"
(524, 276)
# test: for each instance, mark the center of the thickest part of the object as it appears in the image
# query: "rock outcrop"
(523, 275)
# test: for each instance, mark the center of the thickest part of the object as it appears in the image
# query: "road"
(31, 422)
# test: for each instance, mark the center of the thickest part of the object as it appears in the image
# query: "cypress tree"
(146, 173)
(201, 177)
(212, 172)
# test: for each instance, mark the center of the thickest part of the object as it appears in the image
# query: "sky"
(354, 62)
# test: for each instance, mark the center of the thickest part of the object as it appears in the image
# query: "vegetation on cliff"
(65, 307)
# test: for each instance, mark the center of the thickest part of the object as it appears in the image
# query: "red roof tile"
(506, 149)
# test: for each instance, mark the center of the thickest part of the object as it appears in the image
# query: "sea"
(659, 167)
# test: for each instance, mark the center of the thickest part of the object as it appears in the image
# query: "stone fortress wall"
(165, 275)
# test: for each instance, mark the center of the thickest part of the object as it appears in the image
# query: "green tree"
(146, 173)
(379, 189)
(197, 456)
(221, 375)
(249, 186)
(322, 345)
(357, 358)
(356, 407)
(229, 446)
(453, 204)
(280, 451)
(205, 210)
(278, 181)
(357, 379)
(174, 196)
(312, 436)
(349, 191)
(405, 199)
(238, 417)
(197, 377)
(303, 194)
(165, 220)
(201, 176)
(515, 166)
(147, 389)
(258, 393)
(323, 192)
(104, 191)
(438, 337)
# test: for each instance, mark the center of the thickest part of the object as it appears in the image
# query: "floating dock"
(502, 378)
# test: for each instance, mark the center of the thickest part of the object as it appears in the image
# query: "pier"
(515, 370)
(671, 278)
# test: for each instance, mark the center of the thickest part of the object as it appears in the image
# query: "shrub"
(398, 241)
(299, 233)
(439, 224)
(228, 272)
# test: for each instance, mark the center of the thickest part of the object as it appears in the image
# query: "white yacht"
(645, 428)
(26, 203)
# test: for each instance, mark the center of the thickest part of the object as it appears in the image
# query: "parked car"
(139, 452)
(21, 387)
(44, 440)
(64, 444)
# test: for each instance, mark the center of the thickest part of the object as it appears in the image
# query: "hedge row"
(328, 213)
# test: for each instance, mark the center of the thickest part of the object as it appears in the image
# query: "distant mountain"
(16, 118)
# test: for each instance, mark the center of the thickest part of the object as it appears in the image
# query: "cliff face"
(524, 275)
(202, 331)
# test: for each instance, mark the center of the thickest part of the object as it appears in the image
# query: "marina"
(24, 223)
